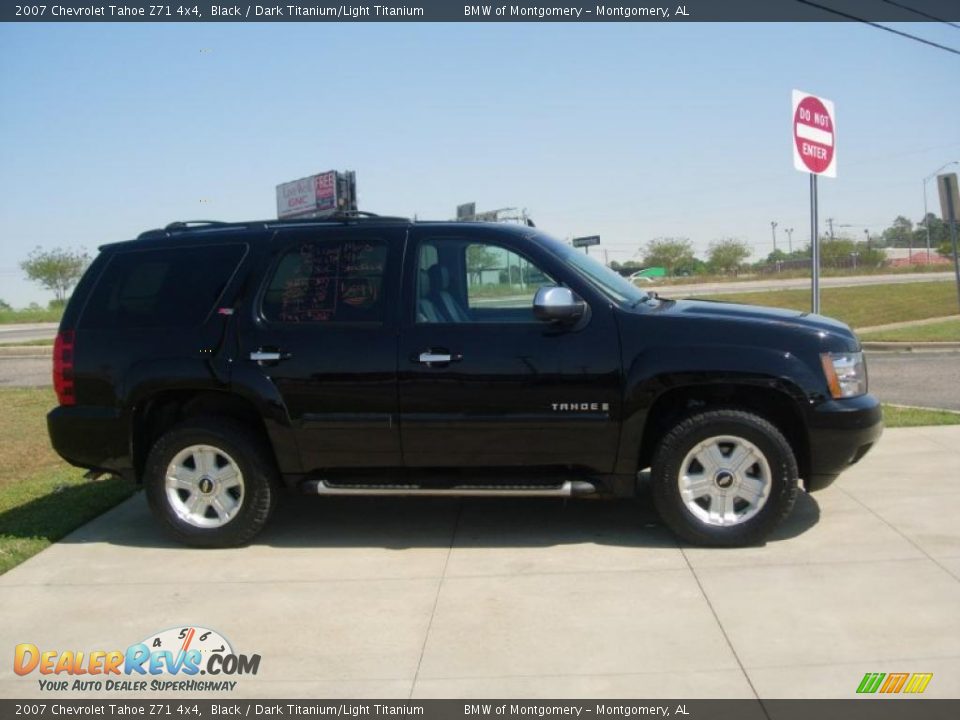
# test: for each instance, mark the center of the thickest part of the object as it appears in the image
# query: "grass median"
(861, 306)
(943, 331)
(41, 497)
(30, 315)
(896, 416)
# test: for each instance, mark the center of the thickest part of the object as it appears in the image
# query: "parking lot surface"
(419, 598)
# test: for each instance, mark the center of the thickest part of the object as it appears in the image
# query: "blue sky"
(629, 131)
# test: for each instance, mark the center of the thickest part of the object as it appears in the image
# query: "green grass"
(945, 331)
(41, 497)
(44, 342)
(748, 275)
(862, 306)
(8, 317)
(895, 416)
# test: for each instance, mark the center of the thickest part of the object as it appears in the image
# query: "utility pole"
(789, 232)
(866, 231)
(950, 213)
(773, 230)
(830, 223)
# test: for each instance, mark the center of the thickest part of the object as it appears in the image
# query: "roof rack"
(189, 224)
(344, 216)
(183, 225)
(341, 216)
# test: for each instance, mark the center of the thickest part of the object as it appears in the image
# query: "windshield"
(610, 283)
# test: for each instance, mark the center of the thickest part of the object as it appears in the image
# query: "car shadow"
(400, 523)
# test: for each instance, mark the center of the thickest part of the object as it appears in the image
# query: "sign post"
(950, 207)
(814, 152)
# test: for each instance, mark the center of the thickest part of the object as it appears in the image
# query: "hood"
(776, 320)
(737, 311)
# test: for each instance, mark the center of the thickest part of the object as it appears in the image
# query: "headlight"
(846, 374)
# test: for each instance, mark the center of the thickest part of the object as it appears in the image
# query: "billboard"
(307, 196)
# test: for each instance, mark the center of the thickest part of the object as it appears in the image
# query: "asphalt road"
(928, 378)
(13, 334)
(29, 371)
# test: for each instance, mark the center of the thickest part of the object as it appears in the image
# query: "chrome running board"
(568, 488)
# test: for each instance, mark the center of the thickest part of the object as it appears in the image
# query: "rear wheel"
(211, 483)
(724, 478)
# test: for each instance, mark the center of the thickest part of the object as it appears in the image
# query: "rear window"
(175, 287)
(328, 281)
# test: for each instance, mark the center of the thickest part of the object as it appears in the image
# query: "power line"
(921, 13)
(878, 25)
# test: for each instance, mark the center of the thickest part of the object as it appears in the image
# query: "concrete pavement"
(526, 598)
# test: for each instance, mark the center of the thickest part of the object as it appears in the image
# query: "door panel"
(516, 391)
(325, 327)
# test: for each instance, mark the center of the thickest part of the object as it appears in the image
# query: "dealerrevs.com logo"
(169, 661)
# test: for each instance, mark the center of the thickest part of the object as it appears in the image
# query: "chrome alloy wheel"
(204, 486)
(724, 480)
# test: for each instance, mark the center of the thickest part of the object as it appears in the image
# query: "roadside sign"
(949, 197)
(814, 135)
(467, 211)
(815, 153)
(586, 241)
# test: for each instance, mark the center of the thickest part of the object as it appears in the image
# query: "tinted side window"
(328, 281)
(462, 281)
(175, 287)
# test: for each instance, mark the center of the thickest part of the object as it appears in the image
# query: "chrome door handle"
(430, 357)
(265, 356)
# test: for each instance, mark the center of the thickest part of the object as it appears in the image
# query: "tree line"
(728, 256)
(58, 270)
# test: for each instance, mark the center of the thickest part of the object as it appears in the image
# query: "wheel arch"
(772, 403)
(156, 414)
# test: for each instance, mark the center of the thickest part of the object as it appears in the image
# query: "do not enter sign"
(814, 135)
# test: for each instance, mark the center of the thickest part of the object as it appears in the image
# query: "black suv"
(217, 362)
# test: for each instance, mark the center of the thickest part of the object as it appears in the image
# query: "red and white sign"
(325, 187)
(314, 194)
(814, 135)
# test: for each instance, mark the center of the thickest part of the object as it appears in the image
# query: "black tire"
(231, 441)
(702, 427)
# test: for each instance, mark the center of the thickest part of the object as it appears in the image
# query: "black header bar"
(652, 11)
(274, 709)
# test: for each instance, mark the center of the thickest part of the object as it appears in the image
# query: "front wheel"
(211, 483)
(724, 478)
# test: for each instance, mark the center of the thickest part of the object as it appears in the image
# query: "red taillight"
(63, 367)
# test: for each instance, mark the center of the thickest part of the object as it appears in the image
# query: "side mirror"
(558, 304)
